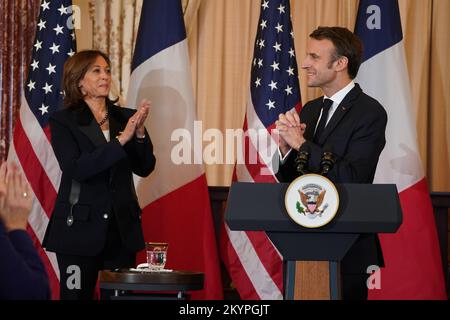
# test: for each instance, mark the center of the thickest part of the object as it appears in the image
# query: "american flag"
(255, 266)
(54, 43)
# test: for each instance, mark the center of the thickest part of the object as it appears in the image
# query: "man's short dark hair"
(346, 43)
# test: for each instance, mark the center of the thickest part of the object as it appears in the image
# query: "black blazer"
(104, 171)
(356, 136)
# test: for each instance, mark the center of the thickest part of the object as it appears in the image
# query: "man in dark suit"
(344, 122)
(22, 274)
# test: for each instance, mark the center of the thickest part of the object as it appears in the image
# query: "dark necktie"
(326, 106)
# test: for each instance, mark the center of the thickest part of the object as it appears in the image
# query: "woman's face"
(96, 83)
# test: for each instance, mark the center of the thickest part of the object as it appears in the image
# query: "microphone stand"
(327, 162)
(301, 162)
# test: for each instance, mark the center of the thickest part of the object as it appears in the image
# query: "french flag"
(174, 197)
(412, 257)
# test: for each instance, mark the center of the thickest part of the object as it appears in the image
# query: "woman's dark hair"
(75, 69)
(346, 44)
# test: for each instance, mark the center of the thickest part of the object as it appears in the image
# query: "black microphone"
(327, 162)
(301, 161)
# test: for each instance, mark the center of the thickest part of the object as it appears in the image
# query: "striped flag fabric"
(254, 264)
(413, 268)
(174, 198)
(30, 148)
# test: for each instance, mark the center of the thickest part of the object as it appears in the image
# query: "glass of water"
(156, 255)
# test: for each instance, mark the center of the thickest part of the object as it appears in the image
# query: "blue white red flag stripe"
(54, 43)
(174, 198)
(254, 264)
(412, 257)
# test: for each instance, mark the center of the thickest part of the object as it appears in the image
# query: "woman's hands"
(141, 116)
(136, 124)
(15, 198)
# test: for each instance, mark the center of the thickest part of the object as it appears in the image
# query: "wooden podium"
(313, 256)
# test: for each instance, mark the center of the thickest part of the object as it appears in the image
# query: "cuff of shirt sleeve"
(283, 158)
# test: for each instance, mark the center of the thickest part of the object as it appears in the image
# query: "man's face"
(319, 64)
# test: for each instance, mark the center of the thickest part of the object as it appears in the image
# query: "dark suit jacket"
(104, 171)
(22, 274)
(356, 136)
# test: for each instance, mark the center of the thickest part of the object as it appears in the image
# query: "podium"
(313, 256)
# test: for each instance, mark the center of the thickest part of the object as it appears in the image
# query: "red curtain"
(17, 30)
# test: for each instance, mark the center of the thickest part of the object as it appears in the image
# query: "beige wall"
(84, 34)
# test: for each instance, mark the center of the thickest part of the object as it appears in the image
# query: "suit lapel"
(340, 112)
(313, 118)
(88, 125)
(115, 126)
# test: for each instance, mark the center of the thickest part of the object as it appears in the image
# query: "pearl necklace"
(102, 122)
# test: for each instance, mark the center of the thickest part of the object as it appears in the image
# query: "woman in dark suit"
(96, 219)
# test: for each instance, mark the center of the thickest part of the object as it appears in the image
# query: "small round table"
(124, 281)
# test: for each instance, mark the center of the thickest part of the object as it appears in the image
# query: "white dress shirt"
(106, 134)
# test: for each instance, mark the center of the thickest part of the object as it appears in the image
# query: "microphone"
(327, 162)
(301, 161)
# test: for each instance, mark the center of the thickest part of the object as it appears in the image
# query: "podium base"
(313, 280)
